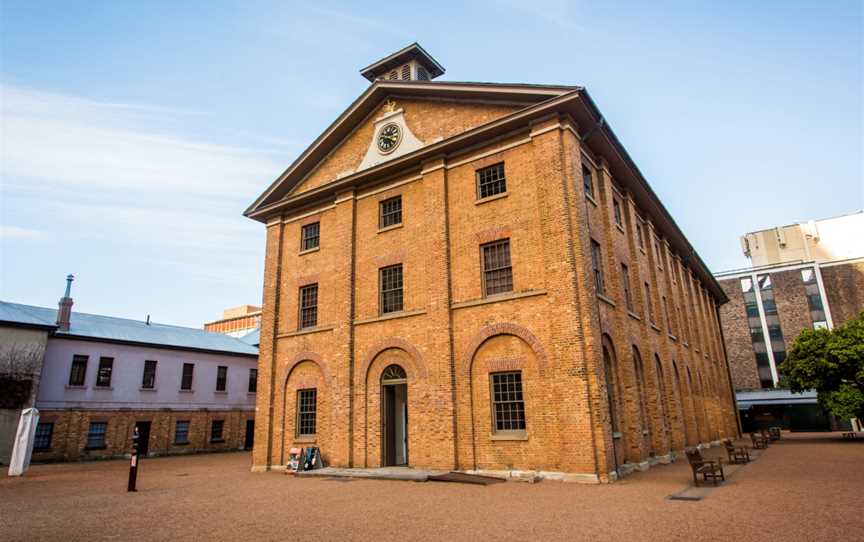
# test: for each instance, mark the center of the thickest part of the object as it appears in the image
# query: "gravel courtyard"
(808, 487)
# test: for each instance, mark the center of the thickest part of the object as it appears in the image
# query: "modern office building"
(809, 275)
(476, 276)
(186, 389)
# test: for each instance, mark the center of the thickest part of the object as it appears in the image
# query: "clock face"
(389, 137)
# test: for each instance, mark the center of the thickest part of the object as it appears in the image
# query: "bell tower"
(412, 63)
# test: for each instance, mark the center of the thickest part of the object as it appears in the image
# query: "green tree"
(832, 363)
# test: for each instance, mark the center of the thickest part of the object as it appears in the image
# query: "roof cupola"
(412, 63)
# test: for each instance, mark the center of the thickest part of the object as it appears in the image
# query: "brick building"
(98, 377)
(237, 321)
(476, 276)
(809, 275)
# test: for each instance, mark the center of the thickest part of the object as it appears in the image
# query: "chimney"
(64, 312)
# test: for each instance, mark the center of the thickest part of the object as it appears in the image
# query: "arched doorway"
(610, 367)
(394, 416)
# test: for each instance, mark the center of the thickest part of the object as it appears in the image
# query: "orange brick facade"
(449, 337)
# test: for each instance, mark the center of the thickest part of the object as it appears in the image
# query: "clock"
(389, 137)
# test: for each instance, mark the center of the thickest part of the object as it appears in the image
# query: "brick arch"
(505, 328)
(300, 358)
(416, 365)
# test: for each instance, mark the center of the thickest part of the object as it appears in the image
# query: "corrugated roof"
(109, 328)
(253, 337)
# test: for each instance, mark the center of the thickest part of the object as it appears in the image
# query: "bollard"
(133, 466)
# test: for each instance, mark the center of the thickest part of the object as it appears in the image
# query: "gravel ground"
(809, 487)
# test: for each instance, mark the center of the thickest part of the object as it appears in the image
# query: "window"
(79, 370)
(96, 434)
(507, 401)
(616, 211)
(186, 380)
(221, 378)
(181, 432)
(666, 314)
(306, 412)
(103, 376)
(597, 263)
(588, 181)
(814, 299)
(390, 212)
(649, 303)
(406, 72)
(390, 281)
(216, 428)
(310, 236)
(625, 280)
(640, 237)
(253, 380)
(491, 181)
(309, 306)
(148, 382)
(657, 255)
(42, 439)
(497, 271)
(422, 74)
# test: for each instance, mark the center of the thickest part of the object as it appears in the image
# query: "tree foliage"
(832, 363)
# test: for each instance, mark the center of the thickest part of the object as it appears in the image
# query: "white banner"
(23, 448)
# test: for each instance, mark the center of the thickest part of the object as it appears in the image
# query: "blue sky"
(134, 134)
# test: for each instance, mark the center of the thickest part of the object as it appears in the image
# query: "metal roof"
(774, 396)
(124, 330)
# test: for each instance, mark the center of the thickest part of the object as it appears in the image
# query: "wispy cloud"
(25, 234)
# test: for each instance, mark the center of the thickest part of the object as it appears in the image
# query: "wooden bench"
(737, 455)
(709, 468)
(760, 442)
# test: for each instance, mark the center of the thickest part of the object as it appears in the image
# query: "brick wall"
(844, 285)
(70, 429)
(449, 338)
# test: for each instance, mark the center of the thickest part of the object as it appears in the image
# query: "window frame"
(106, 364)
(383, 293)
(38, 437)
(154, 365)
(222, 378)
(221, 436)
(79, 361)
(597, 267)
(100, 437)
(649, 304)
(185, 432)
(253, 381)
(506, 270)
(183, 376)
(310, 242)
(305, 308)
(383, 212)
(498, 185)
(588, 181)
(617, 212)
(303, 410)
(625, 283)
(521, 418)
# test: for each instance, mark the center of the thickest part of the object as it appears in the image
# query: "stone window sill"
(617, 435)
(620, 227)
(511, 436)
(253, 393)
(655, 328)
(181, 443)
(390, 228)
(590, 198)
(147, 389)
(75, 387)
(309, 251)
(633, 315)
(186, 391)
(605, 299)
(496, 298)
(673, 337)
(390, 316)
(306, 331)
(306, 439)
(103, 388)
(220, 392)
(217, 440)
(491, 198)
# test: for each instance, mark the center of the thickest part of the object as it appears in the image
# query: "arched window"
(393, 374)
(661, 390)
(640, 388)
(611, 381)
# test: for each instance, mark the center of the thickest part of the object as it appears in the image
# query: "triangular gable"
(433, 111)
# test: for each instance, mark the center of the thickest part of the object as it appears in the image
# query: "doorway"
(394, 416)
(250, 435)
(143, 438)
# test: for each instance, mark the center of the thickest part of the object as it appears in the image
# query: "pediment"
(427, 112)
